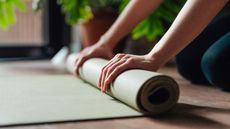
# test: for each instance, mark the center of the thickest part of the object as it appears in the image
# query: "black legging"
(207, 59)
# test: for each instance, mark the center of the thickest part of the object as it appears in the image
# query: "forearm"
(135, 12)
(193, 18)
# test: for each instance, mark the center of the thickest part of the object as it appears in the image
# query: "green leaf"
(173, 6)
(140, 30)
(7, 12)
(3, 16)
(20, 5)
(123, 4)
(76, 10)
(153, 27)
(11, 17)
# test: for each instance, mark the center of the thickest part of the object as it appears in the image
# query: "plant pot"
(92, 30)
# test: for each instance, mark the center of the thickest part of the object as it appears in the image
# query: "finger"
(103, 73)
(104, 70)
(114, 62)
(75, 64)
(79, 63)
(100, 78)
(110, 69)
(98, 83)
(118, 70)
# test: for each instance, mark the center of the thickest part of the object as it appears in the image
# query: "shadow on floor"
(186, 115)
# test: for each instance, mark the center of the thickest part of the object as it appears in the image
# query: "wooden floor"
(199, 107)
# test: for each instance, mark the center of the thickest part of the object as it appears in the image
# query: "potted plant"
(96, 16)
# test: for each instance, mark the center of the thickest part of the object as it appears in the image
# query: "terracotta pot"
(96, 27)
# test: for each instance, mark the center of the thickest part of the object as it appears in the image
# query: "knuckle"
(126, 56)
(107, 81)
(130, 61)
(111, 78)
(118, 68)
(104, 70)
(120, 55)
(109, 70)
(117, 55)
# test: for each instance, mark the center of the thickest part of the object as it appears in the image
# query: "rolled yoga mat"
(145, 91)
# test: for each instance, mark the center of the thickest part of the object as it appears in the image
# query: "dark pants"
(207, 59)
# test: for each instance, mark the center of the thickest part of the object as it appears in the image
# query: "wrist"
(157, 58)
(104, 43)
(108, 41)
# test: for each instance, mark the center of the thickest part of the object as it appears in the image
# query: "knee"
(208, 67)
(214, 71)
(215, 63)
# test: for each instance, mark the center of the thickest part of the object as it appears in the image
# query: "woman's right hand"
(96, 50)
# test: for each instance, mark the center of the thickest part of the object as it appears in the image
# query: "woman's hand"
(96, 50)
(122, 62)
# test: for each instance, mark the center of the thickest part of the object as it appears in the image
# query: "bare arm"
(134, 13)
(193, 18)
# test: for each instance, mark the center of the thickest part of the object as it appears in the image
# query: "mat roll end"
(158, 95)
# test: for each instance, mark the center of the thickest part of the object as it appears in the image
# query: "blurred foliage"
(157, 23)
(81, 10)
(7, 12)
(152, 27)
(77, 11)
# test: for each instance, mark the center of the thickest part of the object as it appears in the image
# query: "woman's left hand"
(122, 62)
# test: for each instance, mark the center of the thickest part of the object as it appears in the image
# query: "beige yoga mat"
(57, 98)
(145, 91)
(41, 99)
